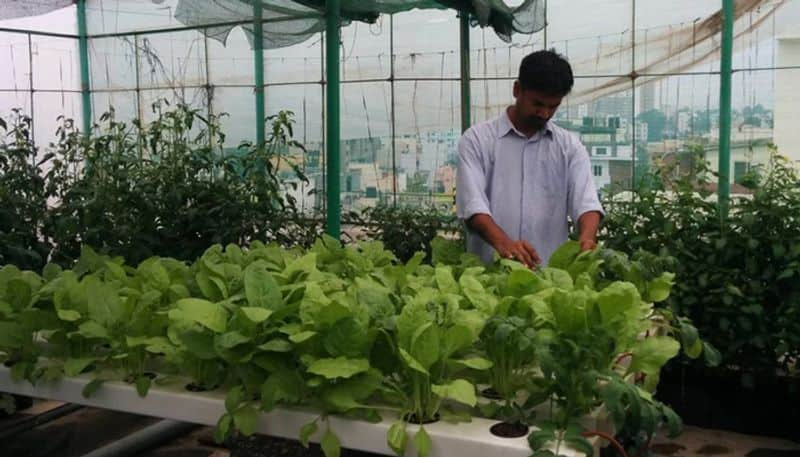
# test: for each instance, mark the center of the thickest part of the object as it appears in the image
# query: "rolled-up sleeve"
(471, 196)
(582, 193)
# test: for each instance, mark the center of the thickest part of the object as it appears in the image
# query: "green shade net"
(289, 22)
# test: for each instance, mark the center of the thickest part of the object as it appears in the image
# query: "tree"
(656, 121)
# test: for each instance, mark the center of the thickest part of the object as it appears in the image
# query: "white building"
(787, 96)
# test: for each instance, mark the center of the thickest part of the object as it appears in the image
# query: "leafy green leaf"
(142, 385)
(74, 367)
(68, 315)
(650, 354)
(422, 441)
(459, 390)
(261, 289)
(276, 345)
(564, 255)
(302, 336)
(90, 388)
(476, 363)
(306, 431)
(658, 289)
(211, 315)
(234, 398)
(412, 363)
(330, 444)
(223, 428)
(397, 438)
(91, 329)
(246, 419)
(231, 339)
(346, 338)
(255, 315)
(339, 367)
(425, 345)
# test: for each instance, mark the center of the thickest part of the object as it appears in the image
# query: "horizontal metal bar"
(199, 28)
(38, 32)
(52, 91)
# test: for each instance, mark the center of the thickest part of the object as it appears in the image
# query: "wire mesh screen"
(647, 79)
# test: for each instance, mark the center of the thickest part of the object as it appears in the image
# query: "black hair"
(546, 71)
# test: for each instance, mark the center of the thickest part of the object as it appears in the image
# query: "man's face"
(535, 108)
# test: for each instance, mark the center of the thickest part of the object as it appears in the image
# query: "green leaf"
(397, 438)
(650, 354)
(276, 345)
(306, 431)
(302, 336)
(142, 385)
(476, 363)
(211, 315)
(261, 289)
(223, 428)
(68, 315)
(445, 280)
(422, 441)
(544, 433)
(51, 271)
(477, 295)
(616, 299)
(658, 289)
(711, 355)
(456, 338)
(92, 387)
(91, 329)
(346, 338)
(564, 255)
(412, 363)
(425, 345)
(230, 340)
(74, 367)
(255, 315)
(246, 419)
(234, 398)
(330, 444)
(579, 443)
(105, 306)
(208, 287)
(340, 367)
(12, 335)
(459, 390)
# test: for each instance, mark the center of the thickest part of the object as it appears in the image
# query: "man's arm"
(520, 250)
(472, 205)
(584, 205)
(588, 224)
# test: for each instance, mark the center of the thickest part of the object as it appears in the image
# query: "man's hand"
(587, 245)
(521, 251)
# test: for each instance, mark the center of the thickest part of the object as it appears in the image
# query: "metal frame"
(330, 54)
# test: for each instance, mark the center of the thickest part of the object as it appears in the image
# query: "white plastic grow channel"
(171, 401)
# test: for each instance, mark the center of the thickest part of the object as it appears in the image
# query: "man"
(520, 176)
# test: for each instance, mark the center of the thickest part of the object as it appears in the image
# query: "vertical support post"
(83, 53)
(466, 102)
(393, 113)
(258, 53)
(32, 111)
(726, 59)
(332, 26)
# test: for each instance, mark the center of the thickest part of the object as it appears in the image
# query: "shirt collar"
(506, 127)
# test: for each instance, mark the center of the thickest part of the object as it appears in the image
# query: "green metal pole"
(258, 52)
(83, 52)
(333, 24)
(466, 97)
(726, 58)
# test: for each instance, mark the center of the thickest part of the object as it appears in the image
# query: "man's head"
(545, 78)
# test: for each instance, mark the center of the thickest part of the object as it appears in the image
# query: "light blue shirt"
(529, 186)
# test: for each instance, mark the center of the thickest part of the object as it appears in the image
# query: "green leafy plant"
(734, 278)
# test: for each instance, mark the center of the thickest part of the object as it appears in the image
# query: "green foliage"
(406, 230)
(352, 331)
(736, 280)
(23, 194)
